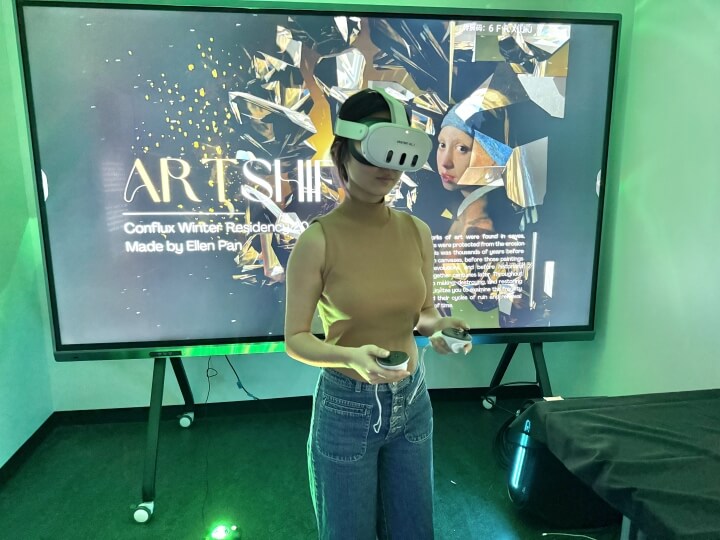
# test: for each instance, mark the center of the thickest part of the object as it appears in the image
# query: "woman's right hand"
(363, 361)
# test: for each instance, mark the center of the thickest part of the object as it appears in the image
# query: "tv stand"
(144, 511)
(541, 375)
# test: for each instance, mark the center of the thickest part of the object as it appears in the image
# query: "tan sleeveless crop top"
(373, 286)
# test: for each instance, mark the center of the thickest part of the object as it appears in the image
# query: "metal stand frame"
(541, 374)
(145, 509)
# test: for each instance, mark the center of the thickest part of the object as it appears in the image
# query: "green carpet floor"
(246, 467)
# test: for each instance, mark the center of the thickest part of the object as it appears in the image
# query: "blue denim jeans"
(371, 469)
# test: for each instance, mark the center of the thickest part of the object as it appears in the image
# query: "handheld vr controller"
(456, 339)
(396, 360)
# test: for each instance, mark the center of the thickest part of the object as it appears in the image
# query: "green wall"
(659, 291)
(25, 389)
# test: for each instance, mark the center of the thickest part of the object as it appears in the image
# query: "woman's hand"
(363, 360)
(437, 340)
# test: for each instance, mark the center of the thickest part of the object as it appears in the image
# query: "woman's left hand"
(437, 340)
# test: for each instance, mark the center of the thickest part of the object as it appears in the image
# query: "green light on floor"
(223, 531)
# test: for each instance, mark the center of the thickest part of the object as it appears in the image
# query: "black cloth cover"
(653, 457)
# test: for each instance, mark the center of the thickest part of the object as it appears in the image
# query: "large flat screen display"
(180, 153)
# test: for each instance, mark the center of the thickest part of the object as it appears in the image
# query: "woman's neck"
(375, 212)
(361, 195)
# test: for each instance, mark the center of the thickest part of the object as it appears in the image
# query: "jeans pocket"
(341, 428)
(419, 417)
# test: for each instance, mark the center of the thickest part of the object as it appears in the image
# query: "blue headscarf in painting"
(468, 117)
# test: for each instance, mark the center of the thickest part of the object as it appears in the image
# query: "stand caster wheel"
(143, 512)
(187, 419)
(488, 402)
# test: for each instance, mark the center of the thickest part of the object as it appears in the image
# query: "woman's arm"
(303, 289)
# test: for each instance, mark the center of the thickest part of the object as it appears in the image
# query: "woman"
(368, 270)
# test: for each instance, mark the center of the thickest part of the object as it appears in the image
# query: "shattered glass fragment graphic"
(291, 223)
(325, 36)
(289, 46)
(504, 82)
(482, 175)
(526, 175)
(330, 193)
(496, 92)
(486, 49)
(260, 197)
(549, 37)
(273, 128)
(522, 56)
(344, 71)
(547, 92)
(247, 279)
(396, 90)
(248, 256)
(268, 68)
(272, 268)
(417, 46)
(431, 102)
(424, 122)
(557, 64)
(404, 194)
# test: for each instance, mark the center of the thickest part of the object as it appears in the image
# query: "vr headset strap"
(358, 131)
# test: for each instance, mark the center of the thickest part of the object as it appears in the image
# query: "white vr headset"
(392, 144)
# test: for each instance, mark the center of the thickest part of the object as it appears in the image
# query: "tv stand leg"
(153, 432)
(183, 383)
(144, 511)
(501, 368)
(541, 373)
